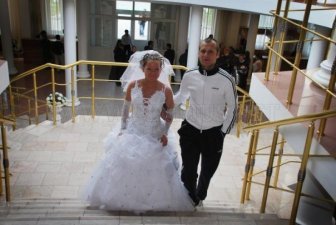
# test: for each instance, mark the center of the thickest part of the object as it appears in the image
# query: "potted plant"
(60, 101)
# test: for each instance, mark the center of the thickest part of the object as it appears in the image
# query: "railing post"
(298, 54)
(302, 173)
(282, 37)
(269, 170)
(5, 162)
(93, 113)
(247, 167)
(73, 94)
(250, 115)
(253, 159)
(35, 99)
(328, 98)
(12, 106)
(240, 116)
(29, 109)
(275, 25)
(53, 91)
(277, 169)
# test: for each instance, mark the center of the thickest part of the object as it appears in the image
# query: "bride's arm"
(126, 107)
(169, 107)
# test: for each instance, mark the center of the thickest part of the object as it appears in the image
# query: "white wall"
(182, 37)
(320, 17)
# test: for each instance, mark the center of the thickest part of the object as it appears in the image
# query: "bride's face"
(152, 70)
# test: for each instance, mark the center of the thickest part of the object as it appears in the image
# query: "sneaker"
(200, 203)
(194, 199)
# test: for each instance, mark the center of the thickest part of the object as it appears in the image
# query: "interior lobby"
(278, 162)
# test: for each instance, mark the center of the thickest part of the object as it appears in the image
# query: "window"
(142, 12)
(208, 22)
(122, 26)
(139, 14)
(265, 27)
(266, 22)
(144, 20)
(261, 42)
(124, 8)
(54, 16)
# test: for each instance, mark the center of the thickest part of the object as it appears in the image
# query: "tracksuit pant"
(195, 144)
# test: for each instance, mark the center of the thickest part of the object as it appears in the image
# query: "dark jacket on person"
(170, 55)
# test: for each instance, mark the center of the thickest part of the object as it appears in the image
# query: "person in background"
(47, 56)
(134, 49)
(183, 59)
(242, 71)
(211, 115)
(227, 61)
(127, 43)
(119, 56)
(170, 55)
(257, 63)
(149, 46)
(58, 50)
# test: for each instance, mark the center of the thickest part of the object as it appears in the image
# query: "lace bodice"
(145, 118)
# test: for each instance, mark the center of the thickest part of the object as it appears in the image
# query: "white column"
(6, 38)
(195, 35)
(252, 36)
(323, 75)
(182, 38)
(4, 75)
(182, 42)
(252, 33)
(83, 37)
(318, 48)
(70, 45)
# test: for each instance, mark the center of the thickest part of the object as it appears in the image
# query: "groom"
(210, 116)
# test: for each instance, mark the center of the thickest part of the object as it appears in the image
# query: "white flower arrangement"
(59, 99)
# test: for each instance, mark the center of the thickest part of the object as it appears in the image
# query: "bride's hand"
(164, 140)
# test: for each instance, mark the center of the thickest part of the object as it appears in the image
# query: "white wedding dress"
(137, 173)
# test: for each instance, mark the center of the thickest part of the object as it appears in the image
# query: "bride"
(139, 171)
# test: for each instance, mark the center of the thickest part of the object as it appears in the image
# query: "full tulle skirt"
(138, 174)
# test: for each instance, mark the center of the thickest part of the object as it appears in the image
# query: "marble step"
(73, 211)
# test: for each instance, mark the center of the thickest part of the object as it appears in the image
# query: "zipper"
(205, 74)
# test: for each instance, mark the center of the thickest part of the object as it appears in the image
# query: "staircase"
(319, 180)
(73, 212)
(50, 164)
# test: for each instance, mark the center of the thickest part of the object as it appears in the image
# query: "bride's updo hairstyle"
(138, 61)
(151, 56)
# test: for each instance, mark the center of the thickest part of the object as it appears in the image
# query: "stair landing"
(307, 98)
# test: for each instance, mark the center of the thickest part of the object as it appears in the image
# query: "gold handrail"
(5, 160)
(301, 71)
(7, 121)
(298, 119)
(33, 72)
(64, 67)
